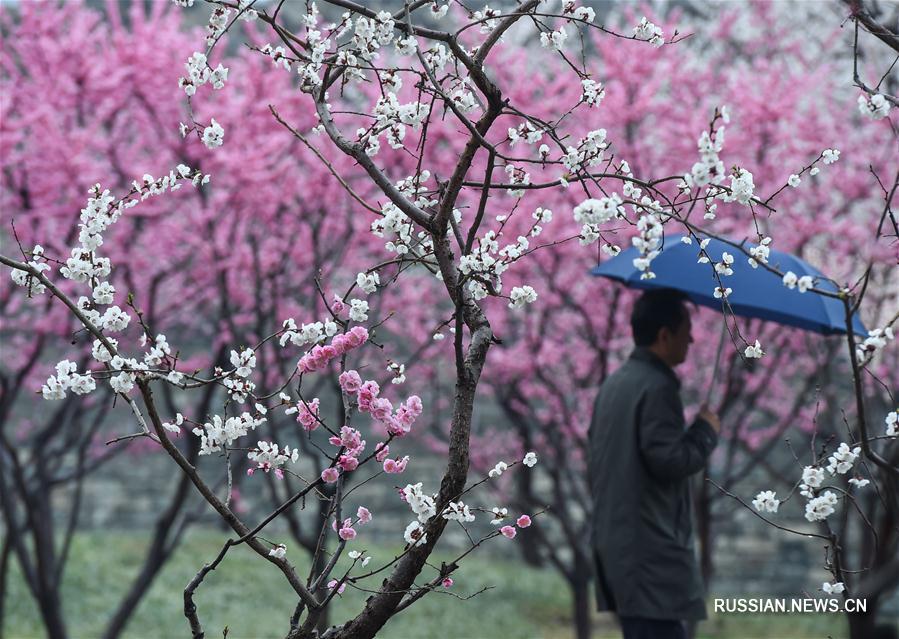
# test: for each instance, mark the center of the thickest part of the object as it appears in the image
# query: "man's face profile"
(672, 346)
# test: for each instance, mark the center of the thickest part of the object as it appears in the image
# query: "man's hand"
(710, 417)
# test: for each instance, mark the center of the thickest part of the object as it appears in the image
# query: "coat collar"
(643, 354)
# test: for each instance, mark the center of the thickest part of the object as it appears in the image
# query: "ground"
(251, 599)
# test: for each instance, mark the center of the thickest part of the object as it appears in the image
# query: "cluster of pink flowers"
(319, 356)
(346, 531)
(510, 531)
(307, 415)
(351, 439)
(381, 408)
(392, 466)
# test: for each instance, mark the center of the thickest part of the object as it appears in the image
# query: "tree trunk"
(863, 625)
(580, 589)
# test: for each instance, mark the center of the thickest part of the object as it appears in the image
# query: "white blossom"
(754, 351)
(834, 588)
(648, 31)
(892, 422)
(820, 508)
(790, 279)
(766, 501)
(278, 552)
(830, 156)
(414, 534)
(592, 92)
(875, 107)
(213, 135)
(842, 460)
(358, 310)
(521, 296)
(498, 515)
(368, 282)
(793, 180)
(498, 470)
(530, 459)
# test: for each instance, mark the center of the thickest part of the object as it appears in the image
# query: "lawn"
(250, 598)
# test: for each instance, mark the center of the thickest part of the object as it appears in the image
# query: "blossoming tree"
(373, 79)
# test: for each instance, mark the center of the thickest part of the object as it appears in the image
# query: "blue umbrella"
(757, 292)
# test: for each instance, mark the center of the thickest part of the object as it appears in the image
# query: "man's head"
(661, 322)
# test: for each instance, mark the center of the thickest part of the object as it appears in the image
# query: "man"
(640, 461)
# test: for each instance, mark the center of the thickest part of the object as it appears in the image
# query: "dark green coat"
(640, 461)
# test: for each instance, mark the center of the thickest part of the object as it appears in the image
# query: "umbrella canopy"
(757, 292)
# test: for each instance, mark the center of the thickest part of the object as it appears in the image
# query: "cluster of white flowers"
(766, 501)
(812, 478)
(842, 460)
(517, 176)
(127, 369)
(830, 156)
(199, 73)
(268, 455)
(392, 117)
(710, 168)
(213, 135)
(457, 511)
(648, 241)
(753, 351)
(421, 504)
(490, 18)
(368, 282)
(355, 554)
(278, 56)
(555, 39)
(723, 269)
(741, 187)
(588, 152)
(370, 34)
(311, 333)
(592, 92)
(892, 423)
(157, 353)
(591, 213)
(498, 470)
(521, 296)
(577, 13)
(646, 30)
(221, 433)
(527, 132)
(393, 221)
(760, 253)
(21, 278)
(875, 107)
(804, 283)
(67, 378)
(236, 381)
(358, 310)
(398, 371)
(876, 340)
(821, 507)
(174, 427)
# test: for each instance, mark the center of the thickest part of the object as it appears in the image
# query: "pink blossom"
(395, 466)
(348, 462)
(381, 451)
(250, 471)
(333, 584)
(363, 514)
(381, 409)
(509, 531)
(279, 473)
(357, 335)
(447, 582)
(307, 414)
(340, 344)
(350, 382)
(347, 533)
(329, 352)
(524, 521)
(330, 474)
(337, 306)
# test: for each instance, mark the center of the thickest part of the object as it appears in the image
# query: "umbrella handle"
(708, 395)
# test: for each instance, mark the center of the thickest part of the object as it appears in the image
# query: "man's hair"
(657, 308)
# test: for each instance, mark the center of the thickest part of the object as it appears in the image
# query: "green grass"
(251, 598)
